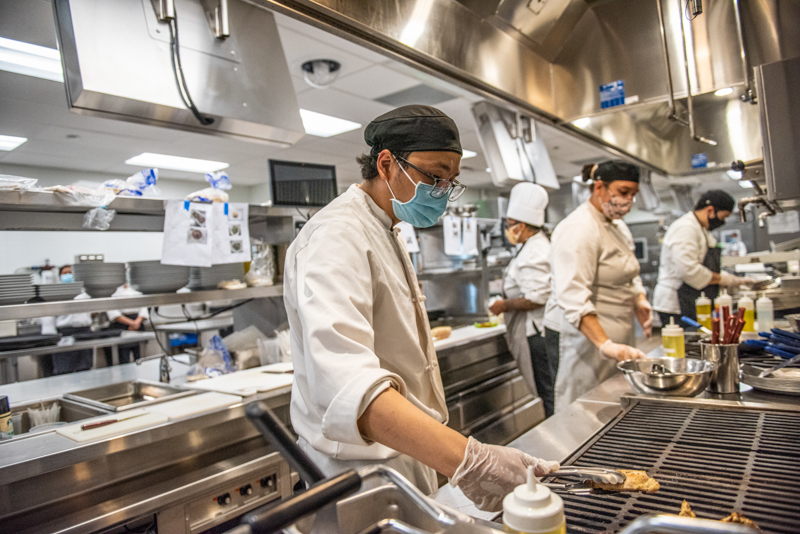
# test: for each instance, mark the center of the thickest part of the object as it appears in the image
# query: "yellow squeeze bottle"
(703, 308)
(749, 313)
(533, 509)
(672, 339)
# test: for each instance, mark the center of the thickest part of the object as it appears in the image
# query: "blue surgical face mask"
(422, 211)
(66, 278)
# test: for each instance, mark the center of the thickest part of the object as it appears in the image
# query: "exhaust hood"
(513, 150)
(117, 64)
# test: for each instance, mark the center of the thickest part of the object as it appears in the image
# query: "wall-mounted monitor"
(302, 184)
(640, 249)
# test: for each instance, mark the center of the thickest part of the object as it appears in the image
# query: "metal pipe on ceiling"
(749, 95)
(673, 112)
(689, 103)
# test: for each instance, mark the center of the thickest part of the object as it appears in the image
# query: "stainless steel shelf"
(47, 309)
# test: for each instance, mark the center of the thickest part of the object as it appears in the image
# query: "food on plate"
(634, 481)
(485, 325)
(739, 519)
(686, 510)
(441, 332)
(231, 284)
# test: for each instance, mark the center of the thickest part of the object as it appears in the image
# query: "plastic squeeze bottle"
(765, 313)
(749, 314)
(723, 300)
(703, 307)
(533, 509)
(672, 340)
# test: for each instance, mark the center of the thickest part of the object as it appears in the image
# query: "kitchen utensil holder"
(725, 379)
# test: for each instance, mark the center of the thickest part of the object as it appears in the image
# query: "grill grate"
(720, 460)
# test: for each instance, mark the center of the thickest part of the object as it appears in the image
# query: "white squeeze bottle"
(672, 340)
(723, 300)
(533, 509)
(749, 313)
(765, 314)
(703, 308)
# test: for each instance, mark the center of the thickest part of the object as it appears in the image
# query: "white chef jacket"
(357, 325)
(682, 252)
(590, 267)
(125, 291)
(528, 277)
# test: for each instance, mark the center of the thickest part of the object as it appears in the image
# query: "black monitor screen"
(302, 184)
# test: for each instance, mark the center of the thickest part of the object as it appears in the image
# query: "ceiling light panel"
(176, 163)
(30, 60)
(9, 142)
(468, 154)
(322, 125)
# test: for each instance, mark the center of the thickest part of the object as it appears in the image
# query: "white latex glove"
(644, 314)
(731, 280)
(620, 352)
(490, 472)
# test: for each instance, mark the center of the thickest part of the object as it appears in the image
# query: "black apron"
(687, 295)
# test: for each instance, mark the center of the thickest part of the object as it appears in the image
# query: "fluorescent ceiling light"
(724, 92)
(9, 142)
(734, 175)
(746, 184)
(468, 154)
(582, 122)
(30, 60)
(488, 169)
(324, 125)
(177, 163)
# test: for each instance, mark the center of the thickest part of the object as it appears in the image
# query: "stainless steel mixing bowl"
(673, 377)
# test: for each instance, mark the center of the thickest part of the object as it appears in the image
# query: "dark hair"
(586, 172)
(369, 164)
(61, 270)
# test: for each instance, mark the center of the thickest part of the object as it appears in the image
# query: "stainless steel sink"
(71, 411)
(128, 395)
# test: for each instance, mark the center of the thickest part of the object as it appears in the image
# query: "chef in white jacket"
(526, 288)
(367, 387)
(690, 260)
(597, 291)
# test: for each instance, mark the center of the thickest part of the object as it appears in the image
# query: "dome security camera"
(320, 73)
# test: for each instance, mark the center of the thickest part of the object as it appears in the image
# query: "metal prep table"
(9, 366)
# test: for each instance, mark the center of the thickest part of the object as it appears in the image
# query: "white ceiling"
(36, 109)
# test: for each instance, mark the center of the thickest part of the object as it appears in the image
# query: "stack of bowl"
(209, 277)
(153, 277)
(60, 291)
(100, 279)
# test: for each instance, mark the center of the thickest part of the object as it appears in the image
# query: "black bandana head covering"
(610, 171)
(719, 199)
(413, 129)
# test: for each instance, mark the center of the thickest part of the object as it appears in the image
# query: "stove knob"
(246, 490)
(268, 482)
(222, 500)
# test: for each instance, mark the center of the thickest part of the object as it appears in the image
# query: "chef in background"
(367, 388)
(131, 320)
(526, 288)
(597, 291)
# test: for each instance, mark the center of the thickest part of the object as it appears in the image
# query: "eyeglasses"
(441, 187)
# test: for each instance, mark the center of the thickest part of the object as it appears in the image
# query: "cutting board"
(249, 382)
(75, 433)
(194, 405)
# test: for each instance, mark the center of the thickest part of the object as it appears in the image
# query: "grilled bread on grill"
(739, 519)
(634, 481)
(686, 510)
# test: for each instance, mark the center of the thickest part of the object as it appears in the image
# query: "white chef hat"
(527, 203)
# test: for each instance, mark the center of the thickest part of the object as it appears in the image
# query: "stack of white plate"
(16, 288)
(152, 277)
(100, 279)
(62, 291)
(210, 277)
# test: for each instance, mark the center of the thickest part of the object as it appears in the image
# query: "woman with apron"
(691, 261)
(526, 288)
(597, 291)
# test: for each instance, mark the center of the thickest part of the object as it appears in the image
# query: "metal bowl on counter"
(673, 377)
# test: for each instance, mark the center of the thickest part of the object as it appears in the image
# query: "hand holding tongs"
(600, 475)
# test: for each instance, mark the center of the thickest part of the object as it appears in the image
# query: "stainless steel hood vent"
(117, 64)
(512, 149)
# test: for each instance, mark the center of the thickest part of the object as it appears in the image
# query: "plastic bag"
(262, 266)
(216, 193)
(78, 195)
(142, 184)
(99, 218)
(16, 183)
(215, 360)
(285, 344)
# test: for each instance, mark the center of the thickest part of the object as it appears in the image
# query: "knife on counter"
(106, 422)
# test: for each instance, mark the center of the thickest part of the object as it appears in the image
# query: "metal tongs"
(659, 370)
(600, 475)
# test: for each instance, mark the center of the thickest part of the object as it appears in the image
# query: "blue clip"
(186, 205)
(226, 208)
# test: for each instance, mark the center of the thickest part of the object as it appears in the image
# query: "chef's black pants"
(544, 372)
